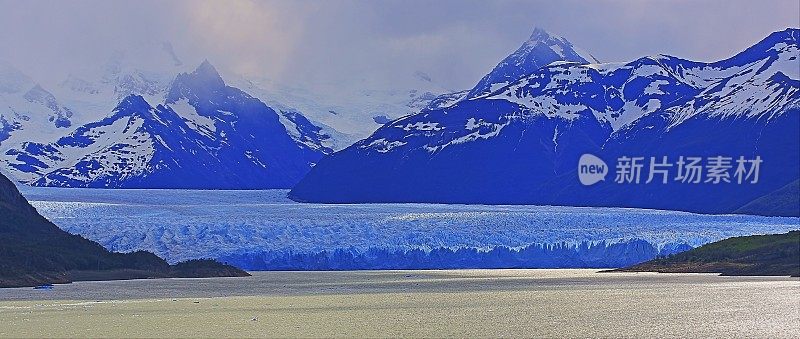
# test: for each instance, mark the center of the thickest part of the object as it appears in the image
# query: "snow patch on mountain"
(202, 124)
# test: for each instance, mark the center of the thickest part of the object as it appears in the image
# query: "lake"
(457, 303)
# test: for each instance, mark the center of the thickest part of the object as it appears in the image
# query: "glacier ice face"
(561, 255)
(254, 225)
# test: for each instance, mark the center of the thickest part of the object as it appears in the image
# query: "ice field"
(259, 229)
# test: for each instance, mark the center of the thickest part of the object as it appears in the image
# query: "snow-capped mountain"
(147, 71)
(541, 49)
(32, 115)
(520, 143)
(322, 115)
(26, 105)
(204, 135)
(31, 112)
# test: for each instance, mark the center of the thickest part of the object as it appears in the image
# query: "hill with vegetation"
(766, 255)
(34, 251)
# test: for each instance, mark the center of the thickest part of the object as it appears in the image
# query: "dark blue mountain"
(521, 143)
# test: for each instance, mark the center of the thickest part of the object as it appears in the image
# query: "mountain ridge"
(520, 144)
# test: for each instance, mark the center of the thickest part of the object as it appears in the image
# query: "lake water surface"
(460, 303)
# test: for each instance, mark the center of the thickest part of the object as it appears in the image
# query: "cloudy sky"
(300, 42)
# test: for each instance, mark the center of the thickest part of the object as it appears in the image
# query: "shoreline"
(310, 283)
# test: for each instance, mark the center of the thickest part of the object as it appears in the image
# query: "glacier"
(264, 230)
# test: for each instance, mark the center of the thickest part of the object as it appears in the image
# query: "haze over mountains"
(148, 120)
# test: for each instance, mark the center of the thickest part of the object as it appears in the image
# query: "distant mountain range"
(516, 138)
(147, 120)
(33, 251)
(205, 134)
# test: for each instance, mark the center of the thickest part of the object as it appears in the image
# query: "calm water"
(185, 224)
(461, 303)
(357, 282)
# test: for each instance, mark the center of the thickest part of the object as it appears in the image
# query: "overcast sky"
(298, 42)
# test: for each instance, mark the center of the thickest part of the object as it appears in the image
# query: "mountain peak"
(207, 71)
(11, 199)
(771, 45)
(558, 44)
(39, 94)
(204, 80)
(790, 33)
(133, 101)
(541, 49)
(539, 33)
(206, 65)
(12, 80)
(37, 88)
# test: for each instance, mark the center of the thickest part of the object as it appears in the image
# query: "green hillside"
(768, 255)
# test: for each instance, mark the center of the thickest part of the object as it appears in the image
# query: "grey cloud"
(377, 42)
